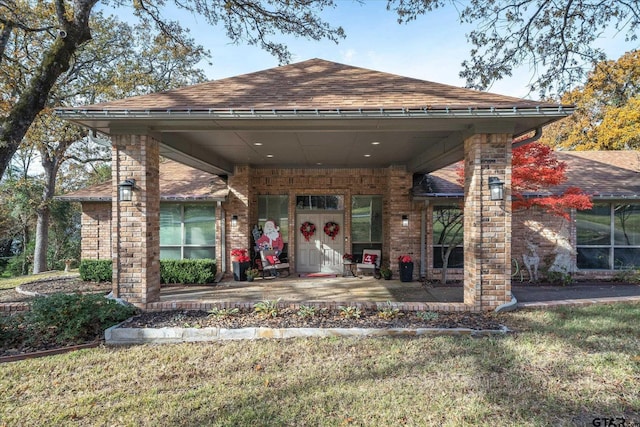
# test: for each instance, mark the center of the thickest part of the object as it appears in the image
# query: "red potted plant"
(405, 264)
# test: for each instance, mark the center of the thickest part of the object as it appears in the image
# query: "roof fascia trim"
(426, 112)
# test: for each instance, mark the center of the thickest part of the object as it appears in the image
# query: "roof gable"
(316, 84)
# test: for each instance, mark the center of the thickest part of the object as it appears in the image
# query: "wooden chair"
(370, 262)
(271, 264)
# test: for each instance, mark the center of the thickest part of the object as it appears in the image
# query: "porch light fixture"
(496, 188)
(125, 189)
(405, 220)
(234, 220)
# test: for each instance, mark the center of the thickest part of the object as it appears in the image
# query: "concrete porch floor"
(368, 289)
(313, 289)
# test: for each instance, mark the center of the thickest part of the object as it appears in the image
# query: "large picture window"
(448, 227)
(187, 231)
(608, 237)
(366, 223)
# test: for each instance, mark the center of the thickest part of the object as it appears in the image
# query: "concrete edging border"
(117, 335)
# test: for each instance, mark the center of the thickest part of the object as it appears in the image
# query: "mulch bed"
(66, 286)
(289, 318)
(46, 287)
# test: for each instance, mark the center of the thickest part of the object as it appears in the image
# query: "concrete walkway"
(328, 289)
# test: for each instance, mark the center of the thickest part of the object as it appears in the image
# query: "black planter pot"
(406, 271)
(240, 271)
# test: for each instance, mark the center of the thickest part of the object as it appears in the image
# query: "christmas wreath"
(331, 229)
(307, 229)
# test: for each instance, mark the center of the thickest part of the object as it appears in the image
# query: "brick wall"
(96, 230)
(542, 230)
(394, 183)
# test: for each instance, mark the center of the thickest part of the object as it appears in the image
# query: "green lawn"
(21, 280)
(561, 367)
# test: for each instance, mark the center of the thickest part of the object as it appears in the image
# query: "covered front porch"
(316, 128)
(365, 291)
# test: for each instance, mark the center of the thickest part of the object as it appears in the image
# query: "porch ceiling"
(422, 144)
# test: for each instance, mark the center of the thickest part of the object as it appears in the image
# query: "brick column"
(487, 223)
(238, 204)
(135, 225)
(403, 240)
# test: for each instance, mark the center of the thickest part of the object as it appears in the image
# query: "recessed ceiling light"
(257, 144)
(367, 155)
(375, 143)
(269, 155)
(319, 163)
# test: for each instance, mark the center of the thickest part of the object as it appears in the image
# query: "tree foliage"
(556, 39)
(64, 27)
(607, 109)
(535, 170)
(113, 65)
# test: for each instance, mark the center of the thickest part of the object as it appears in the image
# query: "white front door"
(321, 253)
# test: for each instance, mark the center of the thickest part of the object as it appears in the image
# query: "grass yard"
(10, 283)
(562, 367)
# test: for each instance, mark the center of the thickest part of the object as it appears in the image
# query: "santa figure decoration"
(271, 238)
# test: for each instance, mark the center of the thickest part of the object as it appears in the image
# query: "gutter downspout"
(223, 240)
(508, 306)
(536, 136)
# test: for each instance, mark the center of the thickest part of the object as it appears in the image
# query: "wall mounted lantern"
(405, 221)
(125, 189)
(496, 188)
(234, 220)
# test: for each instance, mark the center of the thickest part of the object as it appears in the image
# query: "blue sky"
(430, 48)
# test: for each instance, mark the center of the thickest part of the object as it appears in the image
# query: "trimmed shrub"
(187, 271)
(76, 318)
(96, 270)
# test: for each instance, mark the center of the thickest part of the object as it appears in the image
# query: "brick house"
(597, 243)
(315, 142)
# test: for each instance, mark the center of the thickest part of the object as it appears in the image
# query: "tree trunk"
(445, 265)
(24, 270)
(42, 241)
(50, 163)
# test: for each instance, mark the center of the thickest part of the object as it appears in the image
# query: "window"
(448, 227)
(275, 208)
(320, 202)
(366, 224)
(608, 237)
(187, 231)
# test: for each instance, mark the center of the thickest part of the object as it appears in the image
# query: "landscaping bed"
(322, 318)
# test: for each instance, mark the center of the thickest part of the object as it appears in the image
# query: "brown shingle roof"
(316, 84)
(603, 174)
(177, 182)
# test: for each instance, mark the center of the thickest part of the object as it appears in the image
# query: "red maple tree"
(535, 169)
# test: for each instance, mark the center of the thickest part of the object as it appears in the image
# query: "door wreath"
(307, 229)
(331, 229)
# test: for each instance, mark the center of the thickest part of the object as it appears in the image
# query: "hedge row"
(187, 271)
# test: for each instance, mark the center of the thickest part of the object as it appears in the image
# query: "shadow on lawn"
(554, 371)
